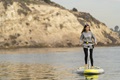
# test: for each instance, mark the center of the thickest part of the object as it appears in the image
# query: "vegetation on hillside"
(116, 29)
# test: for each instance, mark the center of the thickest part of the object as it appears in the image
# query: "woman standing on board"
(88, 39)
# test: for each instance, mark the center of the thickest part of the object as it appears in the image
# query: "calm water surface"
(56, 64)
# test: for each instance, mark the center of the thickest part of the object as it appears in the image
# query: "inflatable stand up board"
(89, 71)
(94, 71)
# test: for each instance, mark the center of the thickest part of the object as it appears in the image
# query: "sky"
(106, 11)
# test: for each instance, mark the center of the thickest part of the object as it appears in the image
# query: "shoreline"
(78, 46)
(38, 50)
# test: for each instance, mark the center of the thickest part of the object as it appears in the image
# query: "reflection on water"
(91, 77)
(88, 77)
(9, 71)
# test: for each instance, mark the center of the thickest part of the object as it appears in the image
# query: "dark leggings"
(86, 55)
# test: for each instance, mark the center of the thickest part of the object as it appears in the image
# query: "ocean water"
(56, 64)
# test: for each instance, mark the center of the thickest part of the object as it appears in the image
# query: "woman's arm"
(81, 38)
(95, 40)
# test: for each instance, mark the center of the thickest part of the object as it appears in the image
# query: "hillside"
(104, 35)
(37, 23)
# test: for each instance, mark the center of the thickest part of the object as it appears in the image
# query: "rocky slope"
(104, 35)
(35, 23)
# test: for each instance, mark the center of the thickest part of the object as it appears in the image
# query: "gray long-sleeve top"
(87, 37)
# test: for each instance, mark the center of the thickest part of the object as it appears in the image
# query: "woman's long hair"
(84, 29)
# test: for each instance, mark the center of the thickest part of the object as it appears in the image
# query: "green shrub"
(47, 1)
(74, 9)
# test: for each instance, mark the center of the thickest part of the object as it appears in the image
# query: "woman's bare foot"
(86, 65)
(92, 67)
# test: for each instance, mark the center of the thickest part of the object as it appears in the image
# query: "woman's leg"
(86, 55)
(91, 57)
